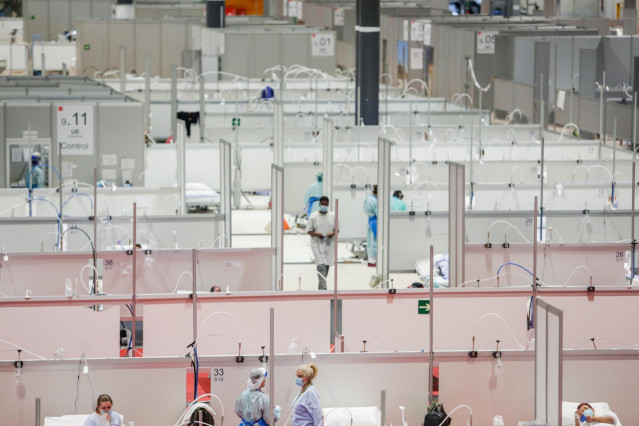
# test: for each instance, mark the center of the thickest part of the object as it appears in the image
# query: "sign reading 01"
(75, 129)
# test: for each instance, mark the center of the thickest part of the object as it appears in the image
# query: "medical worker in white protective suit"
(253, 405)
(321, 228)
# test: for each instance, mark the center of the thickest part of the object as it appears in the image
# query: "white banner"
(416, 58)
(75, 129)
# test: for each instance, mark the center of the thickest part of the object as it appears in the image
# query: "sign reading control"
(75, 129)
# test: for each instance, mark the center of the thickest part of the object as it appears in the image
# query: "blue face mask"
(323, 209)
(102, 412)
(587, 413)
(299, 381)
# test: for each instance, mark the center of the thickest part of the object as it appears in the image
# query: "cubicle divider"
(302, 333)
(167, 271)
(560, 228)
(548, 362)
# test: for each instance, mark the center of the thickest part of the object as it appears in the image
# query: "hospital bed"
(601, 409)
(70, 420)
(200, 197)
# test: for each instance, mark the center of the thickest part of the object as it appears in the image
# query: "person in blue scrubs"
(307, 410)
(253, 406)
(313, 194)
(104, 414)
(397, 202)
(370, 208)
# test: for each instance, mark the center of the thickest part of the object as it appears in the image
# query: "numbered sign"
(486, 41)
(75, 129)
(323, 44)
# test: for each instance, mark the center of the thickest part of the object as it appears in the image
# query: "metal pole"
(383, 407)
(335, 338)
(43, 66)
(37, 412)
(470, 165)
(95, 219)
(60, 198)
(135, 267)
(147, 92)
(410, 142)
(601, 111)
(632, 223)
(534, 281)
(203, 111)
(271, 359)
(122, 69)
(173, 102)
(614, 157)
(634, 128)
(541, 107)
(431, 353)
(541, 179)
(194, 255)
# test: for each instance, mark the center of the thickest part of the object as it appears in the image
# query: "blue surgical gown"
(397, 205)
(94, 419)
(370, 208)
(316, 190)
(307, 410)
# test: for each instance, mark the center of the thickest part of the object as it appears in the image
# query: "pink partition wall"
(78, 329)
(556, 264)
(169, 328)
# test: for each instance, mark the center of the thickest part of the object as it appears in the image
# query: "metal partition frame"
(328, 139)
(456, 222)
(225, 187)
(548, 380)
(277, 223)
(383, 206)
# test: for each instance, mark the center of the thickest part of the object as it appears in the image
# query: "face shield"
(256, 378)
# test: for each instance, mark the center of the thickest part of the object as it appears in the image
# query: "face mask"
(102, 412)
(323, 209)
(589, 413)
(299, 381)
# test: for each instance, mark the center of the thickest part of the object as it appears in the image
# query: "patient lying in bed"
(585, 414)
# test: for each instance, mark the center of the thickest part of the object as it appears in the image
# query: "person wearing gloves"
(253, 405)
(321, 228)
(307, 410)
(104, 414)
(585, 415)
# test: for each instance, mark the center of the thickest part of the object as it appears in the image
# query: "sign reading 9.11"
(75, 129)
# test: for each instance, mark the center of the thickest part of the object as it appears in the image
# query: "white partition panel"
(548, 363)
(221, 326)
(71, 330)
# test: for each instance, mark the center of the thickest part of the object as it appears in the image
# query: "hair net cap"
(256, 378)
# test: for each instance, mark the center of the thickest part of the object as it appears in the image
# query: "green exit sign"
(423, 307)
(236, 122)
(87, 47)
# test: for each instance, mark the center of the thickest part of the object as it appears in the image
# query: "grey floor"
(251, 229)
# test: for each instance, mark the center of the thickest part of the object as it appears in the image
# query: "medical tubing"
(181, 418)
(75, 228)
(177, 283)
(46, 201)
(472, 74)
(21, 348)
(492, 314)
(575, 270)
(77, 195)
(82, 278)
(237, 323)
(510, 225)
(455, 409)
(338, 408)
(514, 264)
(196, 370)
(492, 278)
